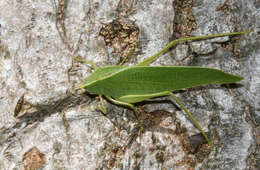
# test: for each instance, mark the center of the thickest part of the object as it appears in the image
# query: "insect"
(125, 85)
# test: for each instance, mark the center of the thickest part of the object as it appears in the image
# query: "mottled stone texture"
(37, 74)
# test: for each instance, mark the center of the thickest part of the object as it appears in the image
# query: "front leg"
(93, 65)
(102, 107)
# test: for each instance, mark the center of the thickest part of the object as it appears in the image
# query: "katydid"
(125, 85)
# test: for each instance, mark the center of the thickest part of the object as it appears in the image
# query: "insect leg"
(102, 107)
(130, 106)
(85, 61)
(149, 60)
(131, 51)
(196, 124)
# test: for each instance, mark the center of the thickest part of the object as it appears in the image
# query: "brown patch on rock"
(184, 21)
(121, 35)
(33, 159)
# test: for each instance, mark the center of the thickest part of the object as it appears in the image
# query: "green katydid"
(125, 85)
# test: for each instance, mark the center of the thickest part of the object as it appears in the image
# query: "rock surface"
(43, 125)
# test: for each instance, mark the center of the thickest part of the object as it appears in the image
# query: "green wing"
(138, 83)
